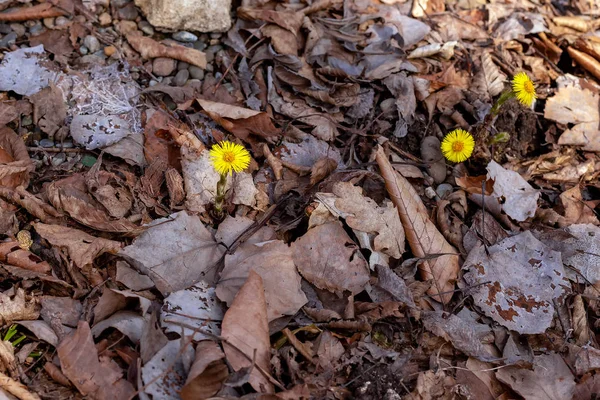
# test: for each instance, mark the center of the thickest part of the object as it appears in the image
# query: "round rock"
(163, 66)
(61, 21)
(105, 19)
(196, 72)
(182, 77)
(146, 28)
(92, 43)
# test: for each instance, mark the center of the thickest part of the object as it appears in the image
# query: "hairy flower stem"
(220, 196)
(504, 97)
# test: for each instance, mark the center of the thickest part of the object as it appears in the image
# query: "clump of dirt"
(377, 382)
(521, 125)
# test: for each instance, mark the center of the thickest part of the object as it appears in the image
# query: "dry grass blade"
(423, 236)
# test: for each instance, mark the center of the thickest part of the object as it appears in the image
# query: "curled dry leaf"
(71, 196)
(82, 247)
(289, 20)
(150, 48)
(18, 308)
(207, 374)
(12, 253)
(321, 170)
(238, 120)
(423, 236)
(329, 259)
(489, 80)
(245, 327)
(8, 113)
(31, 203)
(100, 379)
(518, 198)
(516, 284)
(15, 164)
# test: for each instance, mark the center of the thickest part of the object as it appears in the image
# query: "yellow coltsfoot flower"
(458, 145)
(524, 89)
(227, 157)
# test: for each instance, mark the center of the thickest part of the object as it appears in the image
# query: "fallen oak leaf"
(15, 164)
(321, 169)
(11, 253)
(423, 236)
(150, 48)
(39, 11)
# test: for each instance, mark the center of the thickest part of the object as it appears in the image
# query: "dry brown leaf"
(329, 259)
(71, 196)
(283, 41)
(238, 120)
(54, 41)
(321, 170)
(207, 374)
(8, 113)
(246, 328)
(571, 105)
(423, 236)
(273, 262)
(289, 20)
(550, 379)
(39, 11)
(15, 164)
(150, 48)
(581, 328)
(49, 110)
(82, 247)
(577, 211)
(31, 203)
(11, 253)
(16, 389)
(99, 379)
(489, 80)
(18, 308)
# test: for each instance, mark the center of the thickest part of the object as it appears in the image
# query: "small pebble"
(152, 83)
(48, 23)
(182, 65)
(215, 48)
(27, 120)
(162, 66)
(213, 42)
(215, 35)
(58, 159)
(444, 190)
(61, 21)
(110, 50)
(92, 43)
(5, 28)
(199, 45)
(83, 50)
(8, 40)
(196, 72)
(146, 28)
(105, 19)
(128, 13)
(37, 29)
(167, 80)
(209, 67)
(184, 36)
(182, 77)
(120, 3)
(19, 29)
(47, 143)
(429, 192)
(210, 56)
(67, 144)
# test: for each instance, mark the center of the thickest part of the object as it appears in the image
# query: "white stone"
(191, 15)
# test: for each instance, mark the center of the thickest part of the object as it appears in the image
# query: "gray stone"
(152, 83)
(167, 80)
(163, 66)
(58, 159)
(196, 72)
(210, 68)
(61, 21)
(128, 13)
(444, 189)
(27, 120)
(184, 36)
(47, 143)
(215, 35)
(188, 15)
(67, 144)
(210, 56)
(120, 3)
(146, 28)
(182, 77)
(182, 65)
(83, 50)
(5, 28)
(92, 43)
(8, 40)
(200, 45)
(37, 29)
(19, 29)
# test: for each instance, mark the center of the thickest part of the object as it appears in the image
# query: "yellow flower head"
(458, 145)
(227, 157)
(524, 89)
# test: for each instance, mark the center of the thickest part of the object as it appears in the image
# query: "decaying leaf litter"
(349, 258)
